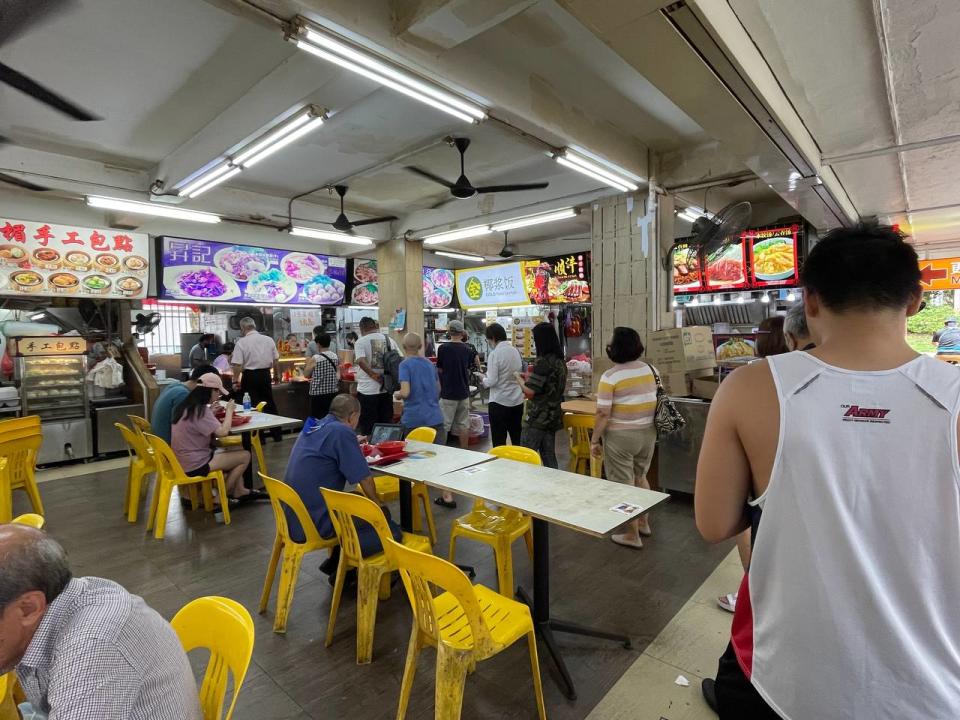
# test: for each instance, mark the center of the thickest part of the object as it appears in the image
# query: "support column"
(400, 270)
(624, 258)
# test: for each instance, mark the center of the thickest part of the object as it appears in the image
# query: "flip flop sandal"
(622, 540)
(445, 503)
(645, 533)
(728, 602)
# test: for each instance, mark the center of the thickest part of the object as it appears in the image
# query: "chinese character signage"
(202, 270)
(364, 283)
(57, 345)
(42, 259)
(500, 285)
(942, 274)
(438, 288)
(773, 256)
(561, 279)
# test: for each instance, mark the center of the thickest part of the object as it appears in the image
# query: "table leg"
(540, 607)
(248, 473)
(406, 506)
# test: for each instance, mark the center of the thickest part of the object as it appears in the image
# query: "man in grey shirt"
(85, 648)
(198, 353)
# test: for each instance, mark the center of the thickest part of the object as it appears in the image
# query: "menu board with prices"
(773, 256)
(687, 273)
(207, 271)
(438, 284)
(726, 268)
(364, 283)
(560, 279)
(42, 259)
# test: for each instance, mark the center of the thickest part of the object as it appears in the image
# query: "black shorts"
(201, 471)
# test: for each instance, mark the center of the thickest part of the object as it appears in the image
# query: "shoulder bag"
(667, 419)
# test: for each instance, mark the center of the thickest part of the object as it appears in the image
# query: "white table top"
(578, 502)
(263, 421)
(429, 461)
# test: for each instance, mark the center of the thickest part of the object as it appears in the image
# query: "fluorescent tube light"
(37, 316)
(275, 138)
(363, 307)
(457, 235)
(147, 208)
(687, 215)
(459, 256)
(598, 169)
(365, 63)
(536, 219)
(331, 235)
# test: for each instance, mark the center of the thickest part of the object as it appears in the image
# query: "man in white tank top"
(851, 608)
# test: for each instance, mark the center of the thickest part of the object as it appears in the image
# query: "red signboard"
(726, 269)
(773, 256)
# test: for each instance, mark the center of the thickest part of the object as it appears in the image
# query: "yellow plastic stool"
(31, 519)
(292, 552)
(498, 528)
(579, 427)
(255, 444)
(466, 624)
(225, 628)
(18, 456)
(8, 706)
(373, 572)
(388, 488)
(170, 475)
(142, 464)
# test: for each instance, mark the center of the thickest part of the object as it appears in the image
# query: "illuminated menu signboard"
(773, 256)
(726, 268)
(560, 279)
(438, 284)
(687, 274)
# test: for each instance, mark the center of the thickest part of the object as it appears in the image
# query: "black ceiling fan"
(343, 224)
(507, 252)
(15, 17)
(462, 189)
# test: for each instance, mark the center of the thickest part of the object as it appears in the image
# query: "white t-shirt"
(372, 347)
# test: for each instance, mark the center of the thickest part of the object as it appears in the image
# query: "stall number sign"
(941, 274)
(500, 285)
(41, 259)
(51, 346)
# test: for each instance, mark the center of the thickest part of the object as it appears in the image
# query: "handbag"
(667, 419)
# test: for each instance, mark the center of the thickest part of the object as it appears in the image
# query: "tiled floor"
(296, 677)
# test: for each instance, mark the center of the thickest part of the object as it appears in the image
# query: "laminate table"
(585, 504)
(258, 421)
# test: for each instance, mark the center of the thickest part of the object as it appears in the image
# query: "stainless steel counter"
(678, 453)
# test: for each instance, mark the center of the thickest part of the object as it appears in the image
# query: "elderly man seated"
(85, 648)
(327, 455)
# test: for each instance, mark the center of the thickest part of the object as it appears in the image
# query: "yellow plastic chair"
(498, 528)
(373, 572)
(140, 424)
(466, 624)
(141, 465)
(225, 628)
(579, 427)
(170, 475)
(18, 455)
(31, 519)
(255, 444)
(8, 706)
(388, 488)
(292, 552)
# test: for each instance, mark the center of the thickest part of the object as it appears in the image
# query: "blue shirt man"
(948, 338)
(419, 388)
(327, 455)
(170, 397)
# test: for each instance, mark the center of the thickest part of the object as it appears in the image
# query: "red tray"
(388, 459)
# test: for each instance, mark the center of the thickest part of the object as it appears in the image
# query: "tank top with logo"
(851, 608)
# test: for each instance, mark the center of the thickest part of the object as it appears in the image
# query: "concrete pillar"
(625, 259)
(400, 270)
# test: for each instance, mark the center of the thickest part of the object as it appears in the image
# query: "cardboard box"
(704, 388)
(676, 384)
(681, 350)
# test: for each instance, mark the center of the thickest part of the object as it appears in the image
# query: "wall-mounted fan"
(713, 232)
(462, 188)
(143, 324)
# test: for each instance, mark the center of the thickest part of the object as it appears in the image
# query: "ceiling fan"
(462, 189)
(507, 252)
(343, 224)
(15, 17)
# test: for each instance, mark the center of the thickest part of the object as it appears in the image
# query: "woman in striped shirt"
(626, 404)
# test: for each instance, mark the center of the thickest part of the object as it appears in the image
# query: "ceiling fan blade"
(429, 176)
(25, 184)
(16, 17)
(373, 221)
(37, 91)
(512, 188)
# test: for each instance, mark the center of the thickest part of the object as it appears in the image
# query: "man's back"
(833, 601)
(101, 652)
(453, 361)
(161, 419)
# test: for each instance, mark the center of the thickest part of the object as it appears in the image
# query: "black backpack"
(391, 368)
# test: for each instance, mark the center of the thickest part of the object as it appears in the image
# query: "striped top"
(629, 391)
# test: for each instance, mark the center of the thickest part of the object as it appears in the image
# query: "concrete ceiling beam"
(448, 23)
